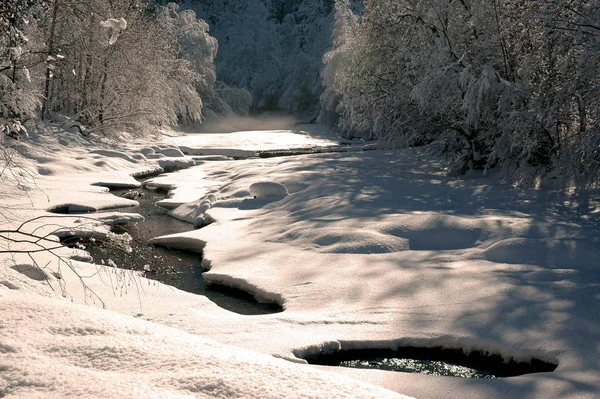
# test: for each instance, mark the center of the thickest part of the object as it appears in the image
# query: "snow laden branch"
(116, 26)
(39, 236)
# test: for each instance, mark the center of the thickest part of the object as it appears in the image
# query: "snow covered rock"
(132, 194)
(266, 189)
(147, 151)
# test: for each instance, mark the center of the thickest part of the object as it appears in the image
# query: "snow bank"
(265, 189)
(79, 351)
(194, 212)
(173, 164)
(577, 254)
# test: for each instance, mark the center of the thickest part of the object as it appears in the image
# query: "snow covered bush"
(225, 101)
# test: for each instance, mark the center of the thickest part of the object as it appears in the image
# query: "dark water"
(433, 361)
(179, 269)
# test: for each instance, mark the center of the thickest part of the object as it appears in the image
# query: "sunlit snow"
(376, 249)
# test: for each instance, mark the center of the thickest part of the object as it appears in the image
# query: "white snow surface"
(244, 144)
(81, 351)
(368, 249)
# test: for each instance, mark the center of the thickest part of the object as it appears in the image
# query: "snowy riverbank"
(367, 250)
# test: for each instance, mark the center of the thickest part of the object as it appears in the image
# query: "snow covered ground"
(373, 249)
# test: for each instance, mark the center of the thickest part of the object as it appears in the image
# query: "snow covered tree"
(511, 84)
(194, 46)
(18, 97)
(305, 32)
(337, 61)
(112, 65)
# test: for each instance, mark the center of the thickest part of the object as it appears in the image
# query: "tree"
(512, 84)
(18, 96)
(111, 65)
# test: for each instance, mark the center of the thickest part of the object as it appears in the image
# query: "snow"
(80, 351)
(244, 144)
(374, 249)
(266, 189)
(116, 26)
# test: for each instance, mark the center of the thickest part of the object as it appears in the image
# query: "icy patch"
(267, 189)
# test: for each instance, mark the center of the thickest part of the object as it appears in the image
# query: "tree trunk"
(103, 92)
(46, 98)
(582, 113)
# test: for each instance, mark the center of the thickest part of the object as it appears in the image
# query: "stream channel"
(180, 269)
(183, 270)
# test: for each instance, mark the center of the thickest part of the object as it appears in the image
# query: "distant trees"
(273, 48)
(513, 84)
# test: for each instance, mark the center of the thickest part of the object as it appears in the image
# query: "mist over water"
(246, 123)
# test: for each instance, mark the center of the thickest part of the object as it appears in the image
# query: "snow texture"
(373, 249)
(80, 351)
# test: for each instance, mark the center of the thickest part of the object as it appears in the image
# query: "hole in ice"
(433, 361)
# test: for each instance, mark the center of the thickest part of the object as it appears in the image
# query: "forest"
(505, 86)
